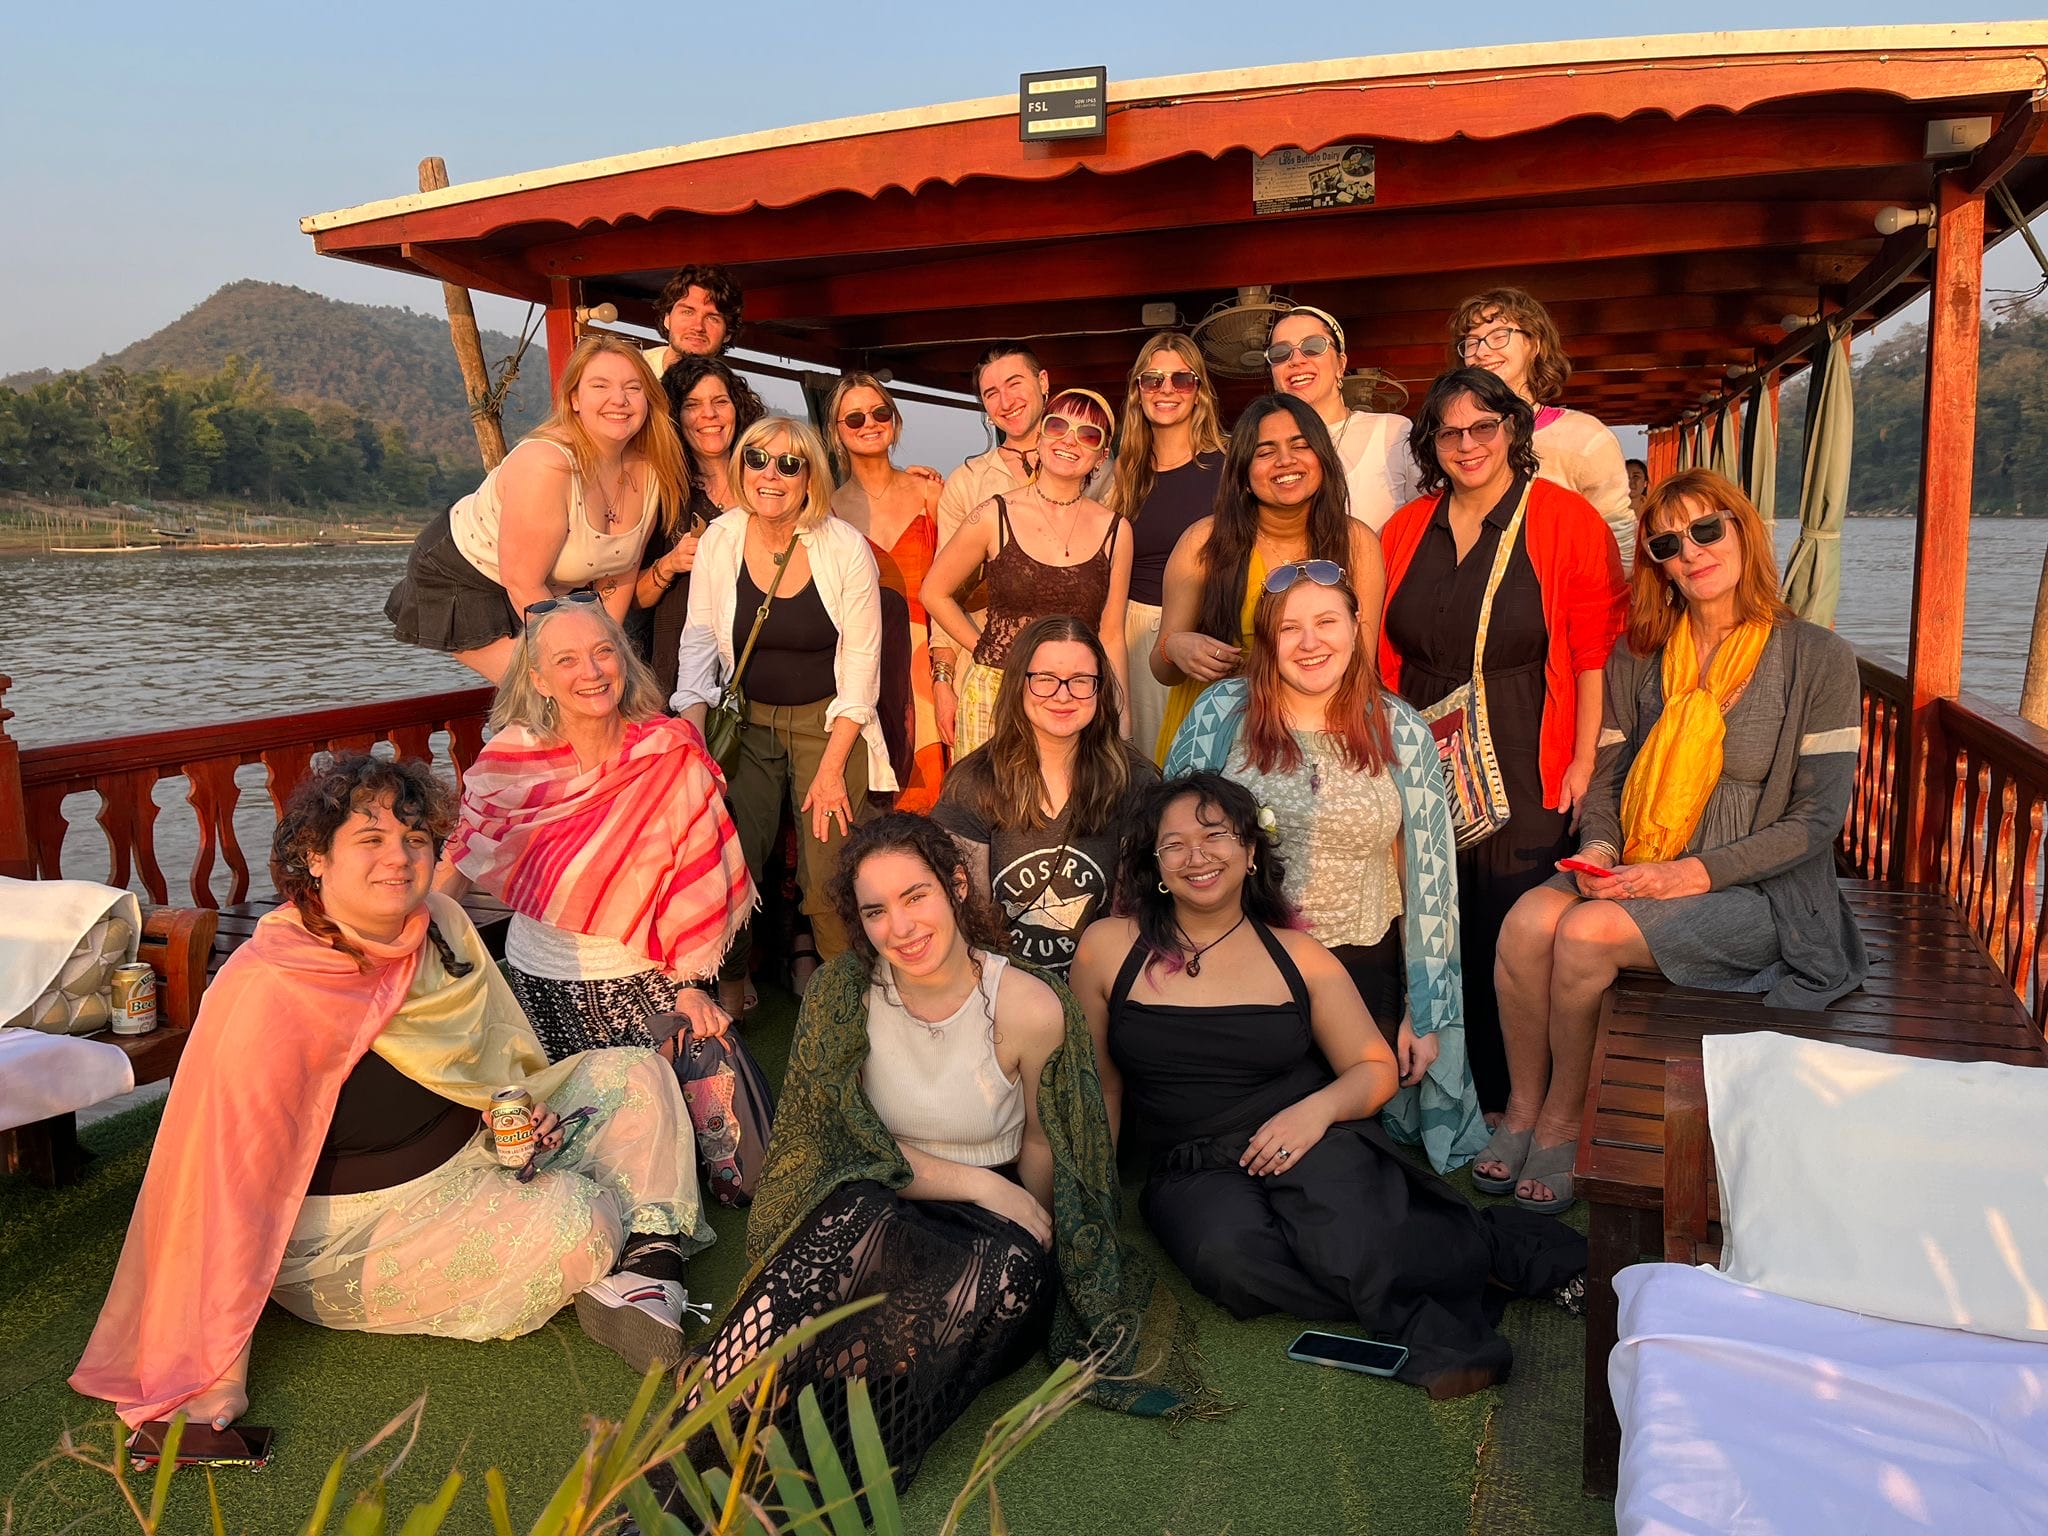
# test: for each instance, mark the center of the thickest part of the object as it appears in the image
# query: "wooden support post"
(1941, 556)
(564, 294)
(469, 345)
(16, 859)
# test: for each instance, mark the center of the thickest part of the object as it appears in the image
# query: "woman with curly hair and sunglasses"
(1237, 1053)
(1035, 808)
(1351, 784)
(1706, 851)
(324, 1146)
(942, 1146)
(1046, 548)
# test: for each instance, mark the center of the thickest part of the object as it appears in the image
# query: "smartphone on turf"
(1367, 1356)
(239, 1445)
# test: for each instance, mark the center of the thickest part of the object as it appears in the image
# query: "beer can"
(512, 1125)
(134, 999)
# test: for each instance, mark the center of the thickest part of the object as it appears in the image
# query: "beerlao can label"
(134, 999)
(511, 1118)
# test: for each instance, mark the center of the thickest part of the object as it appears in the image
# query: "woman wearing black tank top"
(1253, 1073)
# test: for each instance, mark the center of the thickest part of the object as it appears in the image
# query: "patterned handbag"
(1464, 740)
(732, 1112)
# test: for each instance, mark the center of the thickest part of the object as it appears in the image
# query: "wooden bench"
(1933, 990)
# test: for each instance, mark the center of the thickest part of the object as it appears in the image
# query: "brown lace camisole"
(1021, 589)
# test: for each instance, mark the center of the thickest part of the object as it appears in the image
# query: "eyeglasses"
(1711, 529)
(1495, 340)
(1086, 433)
(1324, 573)
(1047, 685)
(1481, 432)
(1154, 380)
(1308, 346)
(1212, 845)
(789, 465)
(550, 604)
(881, 415)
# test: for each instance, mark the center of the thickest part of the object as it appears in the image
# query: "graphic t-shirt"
(1049, 885)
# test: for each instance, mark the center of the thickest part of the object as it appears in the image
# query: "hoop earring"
(1162, 888)
(1251, 864)
(547, 711)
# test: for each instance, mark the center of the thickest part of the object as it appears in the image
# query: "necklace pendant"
(1315, 778)
(1195, 965)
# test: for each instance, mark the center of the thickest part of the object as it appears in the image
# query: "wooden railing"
(1991, 783)
(123, 772)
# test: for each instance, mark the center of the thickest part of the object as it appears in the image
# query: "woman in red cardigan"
(1558, 605)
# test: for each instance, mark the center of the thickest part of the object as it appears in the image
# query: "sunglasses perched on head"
(1308, 346)
(1155, 380)
(550, 604)
(789, 465)
(881, 415)
(1703, 531)
(1086, 433)
(1324, 573)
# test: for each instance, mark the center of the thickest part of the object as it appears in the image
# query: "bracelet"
(942, 672)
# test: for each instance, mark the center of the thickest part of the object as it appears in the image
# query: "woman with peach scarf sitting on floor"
(324, 1131)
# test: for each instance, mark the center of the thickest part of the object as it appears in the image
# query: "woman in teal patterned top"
(1350, 782)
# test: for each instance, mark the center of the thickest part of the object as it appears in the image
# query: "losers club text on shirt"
(1050, 894)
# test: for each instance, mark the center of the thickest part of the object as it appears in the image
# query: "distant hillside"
(391, 366)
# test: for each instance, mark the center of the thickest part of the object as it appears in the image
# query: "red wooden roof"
(1669, 199)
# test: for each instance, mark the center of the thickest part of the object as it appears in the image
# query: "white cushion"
(1887, 1185)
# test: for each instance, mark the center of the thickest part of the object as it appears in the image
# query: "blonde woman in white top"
(1307, 358)
(1508, 333)
(570, 508)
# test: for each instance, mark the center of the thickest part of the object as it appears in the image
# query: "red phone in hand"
(1581, 867)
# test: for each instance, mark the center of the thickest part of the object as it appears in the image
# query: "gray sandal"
(1551, 1167)
(1508, 1148)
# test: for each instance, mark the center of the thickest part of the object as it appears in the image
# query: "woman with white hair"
(812, 732)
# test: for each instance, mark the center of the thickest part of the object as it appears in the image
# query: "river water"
(113, 644)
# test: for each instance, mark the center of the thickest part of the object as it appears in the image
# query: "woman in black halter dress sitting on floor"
(1254, 1073)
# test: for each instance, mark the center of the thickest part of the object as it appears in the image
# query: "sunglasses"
(1324, 573)
(1711, 529)
(1086, 433)
(1308, 346)
(881, 415)
(1153, 381)
(1481, 433)
(789, 465)
(1047, 685)
(550, 604)
(1495, 340)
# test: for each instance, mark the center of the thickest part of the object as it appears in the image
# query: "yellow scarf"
(1680, 763)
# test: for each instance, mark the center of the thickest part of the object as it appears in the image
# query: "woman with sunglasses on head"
(1168, 468)
(1727, 761)
(897, 511)
(1496, 572)
(599, 821)
(1283, 500)
(812, 735)
(711, 405)
(1508, 333)
(1253, 1076)
(1352, 781)
(1307, 358)
(1034, 809)
(570, 508)
(1034, 546)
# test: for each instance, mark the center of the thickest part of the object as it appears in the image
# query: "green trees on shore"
(169, 434)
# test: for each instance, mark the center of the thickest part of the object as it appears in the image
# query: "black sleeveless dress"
(1352, 1232)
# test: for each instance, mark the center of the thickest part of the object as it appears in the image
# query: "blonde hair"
(1131, 482)
(803, 441)
(842, 461)
(656, 441)
(520, 702)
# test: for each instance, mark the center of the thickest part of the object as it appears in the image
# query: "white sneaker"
(638, 1319)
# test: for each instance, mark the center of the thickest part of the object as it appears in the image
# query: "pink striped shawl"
(639, 849)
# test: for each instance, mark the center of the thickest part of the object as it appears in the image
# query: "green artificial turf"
(1308, 1452)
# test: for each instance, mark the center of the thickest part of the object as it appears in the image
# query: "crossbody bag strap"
(1502, 554)
(761, 615)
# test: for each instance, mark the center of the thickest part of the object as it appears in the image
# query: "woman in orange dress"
(895, 508)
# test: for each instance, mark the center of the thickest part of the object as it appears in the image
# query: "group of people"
(1274, 799)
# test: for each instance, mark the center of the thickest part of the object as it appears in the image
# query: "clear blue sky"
(156, 151)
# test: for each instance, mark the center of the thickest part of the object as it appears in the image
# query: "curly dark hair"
(925, 840)
(719, 285)
(1218, 802)
(685, 374)
(322, 805)
(1491, 393)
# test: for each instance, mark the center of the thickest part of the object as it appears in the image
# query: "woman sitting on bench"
(322, 1143)
(1727, 758)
